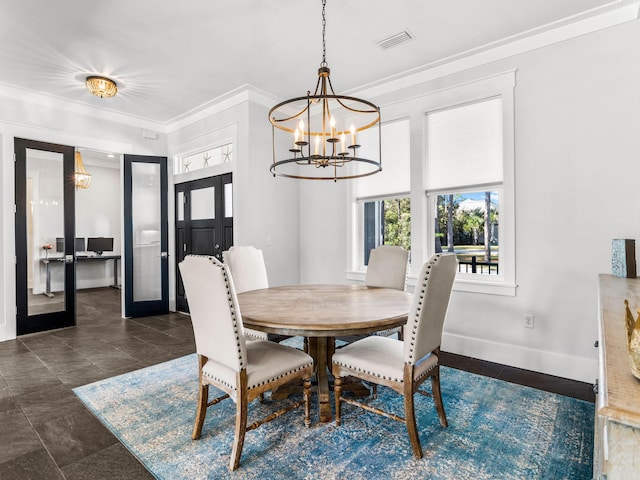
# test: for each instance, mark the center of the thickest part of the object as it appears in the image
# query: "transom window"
(203, 159)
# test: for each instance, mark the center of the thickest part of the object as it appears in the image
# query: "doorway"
(45, 212)
(204, 222)
(146, 236)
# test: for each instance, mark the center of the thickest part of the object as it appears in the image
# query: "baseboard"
(581, 369)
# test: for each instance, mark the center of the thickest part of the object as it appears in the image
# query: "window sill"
(460, 284)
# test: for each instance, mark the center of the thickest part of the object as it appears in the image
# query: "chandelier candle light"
(313, 128)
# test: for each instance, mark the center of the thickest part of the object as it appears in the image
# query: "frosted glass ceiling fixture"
(318, 134)
(102, 87)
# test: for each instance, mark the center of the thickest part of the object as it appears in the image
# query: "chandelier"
(102, 87)
(322, 132)
(81, 178)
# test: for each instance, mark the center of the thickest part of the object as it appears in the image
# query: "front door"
(146, 263)
(204, 222)
(45, 232)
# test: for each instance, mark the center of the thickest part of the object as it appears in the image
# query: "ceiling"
(170, 58)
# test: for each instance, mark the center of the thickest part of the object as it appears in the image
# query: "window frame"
(360, 266)
(415, 109)
(497, 86)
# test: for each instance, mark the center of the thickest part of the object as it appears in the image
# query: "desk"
(79, 258)
(321, 313)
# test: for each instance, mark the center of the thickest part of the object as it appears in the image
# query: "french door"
(204, 222)
(44, 236)
(146, 262)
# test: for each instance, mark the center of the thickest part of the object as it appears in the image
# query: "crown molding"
(606, 16)
(242, 94)
(73, 106)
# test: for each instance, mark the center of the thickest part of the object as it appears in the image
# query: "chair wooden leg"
(437, 397)
(374, 390)
(203, 399)
(201, 412)
(241, 421)
(410, 420)
(307, 401)
(337, 390)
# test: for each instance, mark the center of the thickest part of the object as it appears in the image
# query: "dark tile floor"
(47, 433)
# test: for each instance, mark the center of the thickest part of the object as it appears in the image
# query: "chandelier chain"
(324, 28)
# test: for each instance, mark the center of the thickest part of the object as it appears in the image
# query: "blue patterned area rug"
(497, 430)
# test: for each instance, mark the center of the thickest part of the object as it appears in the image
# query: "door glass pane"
(228, 200)
(180, 206)
(45, 223)
(203, 203)
(146, 195)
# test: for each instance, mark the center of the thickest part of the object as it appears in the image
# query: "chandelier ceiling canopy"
(321, 136)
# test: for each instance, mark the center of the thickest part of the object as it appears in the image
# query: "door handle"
(68, 259)
(164, 255)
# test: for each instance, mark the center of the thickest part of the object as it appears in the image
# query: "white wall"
(576, 147)
(28, 115)
(98, 215)
(265, 209)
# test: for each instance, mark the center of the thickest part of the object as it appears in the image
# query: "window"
(463, 226)
(448, 169)
(469, 187)
(387, 222)
(204, 159)
(382, 200)
(464, 150)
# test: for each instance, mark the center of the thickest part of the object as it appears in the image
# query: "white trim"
(543, 361)
(244, 93)
(485, 286)
(28, 96)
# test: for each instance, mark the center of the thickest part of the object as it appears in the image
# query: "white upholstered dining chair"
(404, 365)
(249, 273)
(242, 370)
(387, 268)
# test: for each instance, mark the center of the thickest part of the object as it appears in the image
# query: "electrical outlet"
(528, 320)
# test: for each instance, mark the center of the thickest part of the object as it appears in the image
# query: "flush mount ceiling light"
(81, 178)
(319, 134)
(102, 87)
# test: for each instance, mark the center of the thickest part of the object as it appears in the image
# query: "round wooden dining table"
(321, 313)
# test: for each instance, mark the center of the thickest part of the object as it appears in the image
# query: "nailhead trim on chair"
(271, 379)
(373, 374)
(224, 268)
(234, 319)
(219, 380)
(414, 320)
(281, 376)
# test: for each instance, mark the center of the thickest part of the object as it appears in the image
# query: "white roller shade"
(395, 175)
(464, 145)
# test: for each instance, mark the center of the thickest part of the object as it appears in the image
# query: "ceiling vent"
(395, 39)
